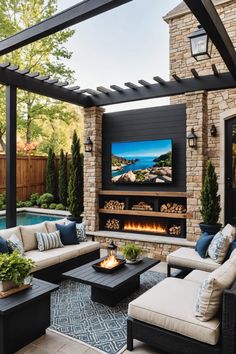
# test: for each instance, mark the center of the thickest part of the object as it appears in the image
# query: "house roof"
(182, 9)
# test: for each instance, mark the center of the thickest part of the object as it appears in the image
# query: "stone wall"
(202, 110)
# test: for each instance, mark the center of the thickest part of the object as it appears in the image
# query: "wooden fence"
(31, 173)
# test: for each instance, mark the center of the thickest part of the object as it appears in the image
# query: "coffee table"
(109, 289)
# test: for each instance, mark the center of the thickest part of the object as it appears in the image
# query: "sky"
(141, 148)
(125, 44)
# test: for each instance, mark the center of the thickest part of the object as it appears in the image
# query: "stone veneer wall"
(202, 110)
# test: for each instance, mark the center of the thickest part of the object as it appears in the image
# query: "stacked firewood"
(142, 206)
(112, 224)
(175, 230)
(114, 205)
(173, 208)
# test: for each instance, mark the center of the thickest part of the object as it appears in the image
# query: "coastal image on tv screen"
(142, 162)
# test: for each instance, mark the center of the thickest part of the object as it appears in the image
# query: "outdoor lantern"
(213, 130)
(112, 249)
(88, 145)
(192, 139)
(201, 45)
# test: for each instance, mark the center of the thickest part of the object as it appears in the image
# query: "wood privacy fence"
(31, 172)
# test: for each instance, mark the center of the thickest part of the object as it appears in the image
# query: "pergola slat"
(117, 88)
(131, 85)
(33, 75)
(73, 88)
(43, 78)
(214, 69)
(13, 67)
(103, 89)
(159, 80)
(176, 78)
(23, 71)
(52, 81)
(144, 83)
(5, 65)
(61, 83)
(195, 73)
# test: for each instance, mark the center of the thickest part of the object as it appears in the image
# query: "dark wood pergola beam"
(31, 84)
(206, 14)
(171, 88)
(75, 14)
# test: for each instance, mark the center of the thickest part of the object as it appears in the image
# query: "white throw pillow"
(15, 244)
(209, 295)
(229, 231)
(48, 241)
(219, 247)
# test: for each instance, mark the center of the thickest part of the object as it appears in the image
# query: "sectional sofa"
(50, 264)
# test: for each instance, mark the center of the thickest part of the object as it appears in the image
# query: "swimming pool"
(29, 219)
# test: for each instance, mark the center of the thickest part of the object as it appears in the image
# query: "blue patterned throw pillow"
(81, 232)
(47, 241)
(14, 244)
(219, 247)
(202, 244)
(3, 245)
(68, 233)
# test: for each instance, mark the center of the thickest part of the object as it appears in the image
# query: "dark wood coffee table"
(109, 289)
(25, 316)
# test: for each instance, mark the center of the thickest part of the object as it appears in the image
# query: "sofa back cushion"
(6, 233)
(209, 295)
(28, 235)
(51, 225)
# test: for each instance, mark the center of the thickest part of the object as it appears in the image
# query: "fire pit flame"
(110, 262)
(145, 227)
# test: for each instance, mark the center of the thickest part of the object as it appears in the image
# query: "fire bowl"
(100, 268)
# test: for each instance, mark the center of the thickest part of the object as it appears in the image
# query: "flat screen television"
(142, 162)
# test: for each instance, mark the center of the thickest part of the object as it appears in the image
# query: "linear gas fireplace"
(150, 227)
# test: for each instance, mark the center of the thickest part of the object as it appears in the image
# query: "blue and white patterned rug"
(74, 314)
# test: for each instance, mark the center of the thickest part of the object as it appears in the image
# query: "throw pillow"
(202, 244)
(81, 232)
(15, 244)
(232, 247)
(209, 295)
(47, 241)
(229, 231)
(68, 233)
(3, 245)
(219, 247)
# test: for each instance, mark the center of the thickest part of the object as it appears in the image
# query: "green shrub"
(51, 175)
(14, 267)
(4, 206)
(52, 206)
(20, 204)
(44, 206)
(46, 198)
(62, 180)
(28, 204)
(34, 198)
(60, 207)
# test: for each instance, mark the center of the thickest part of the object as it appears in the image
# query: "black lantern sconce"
(192, 139)
(112, 249)
(213, 130)
(88, 145)
(201, 45)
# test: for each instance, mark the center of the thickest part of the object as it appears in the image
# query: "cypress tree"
(210, 200)
(51, 176)
(75, 187)
(62, 180)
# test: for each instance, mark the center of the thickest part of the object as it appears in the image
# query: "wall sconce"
(213, 130)
(88, 145)
(201, 45)
(192, 139)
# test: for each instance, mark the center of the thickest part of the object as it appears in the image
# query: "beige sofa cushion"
(51, 225)
(8, 232)
(169, 305)
(210, 292)
(88, 246)
(188, 258)
(197, 276)
(28, 235)
(42, 259)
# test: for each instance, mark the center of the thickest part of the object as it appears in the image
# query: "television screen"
(143, 162)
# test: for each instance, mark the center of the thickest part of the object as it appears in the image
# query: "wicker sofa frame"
(174, 343)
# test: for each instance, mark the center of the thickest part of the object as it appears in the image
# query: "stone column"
(93, 166)
(197, 118)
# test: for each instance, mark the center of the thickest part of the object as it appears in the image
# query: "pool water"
(29, 219)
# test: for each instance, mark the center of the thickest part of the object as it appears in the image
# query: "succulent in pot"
(14, 269)
(131, 252)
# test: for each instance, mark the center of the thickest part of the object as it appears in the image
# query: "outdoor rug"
(74, 314)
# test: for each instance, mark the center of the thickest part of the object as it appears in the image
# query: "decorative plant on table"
(210, 202)
(14, 269)
(131, 252)
(75, 188)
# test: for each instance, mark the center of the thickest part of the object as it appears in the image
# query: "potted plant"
(131, 253)
(14, 269)
(210, 202)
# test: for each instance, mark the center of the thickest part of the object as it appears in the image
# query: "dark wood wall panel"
(166, 122)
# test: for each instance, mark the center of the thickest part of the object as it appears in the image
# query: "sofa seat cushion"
(29, 237)
(42, 259)
(88, 246)
(11, 231)
(51, 225)
(169, 305)
(197, 276)
(188, 258)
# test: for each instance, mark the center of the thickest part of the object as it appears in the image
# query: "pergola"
(13, 77)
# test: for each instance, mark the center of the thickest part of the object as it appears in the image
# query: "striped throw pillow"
(47, 241)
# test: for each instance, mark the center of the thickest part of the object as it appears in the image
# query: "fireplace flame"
(145, 227)
(110, 262)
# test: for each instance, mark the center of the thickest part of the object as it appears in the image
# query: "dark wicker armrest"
(229, 321)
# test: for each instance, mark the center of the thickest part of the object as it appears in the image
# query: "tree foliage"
(62, 180)
(75, 187)
(51, 175)
(210, 200)
(46, 56)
